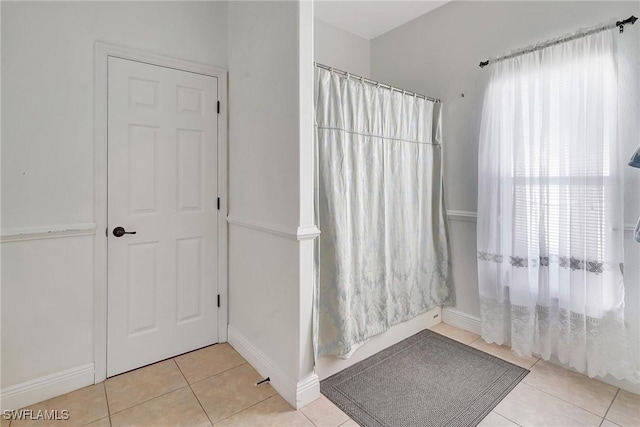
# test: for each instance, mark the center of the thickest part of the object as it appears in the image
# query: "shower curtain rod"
(630, 20)
(373, 82)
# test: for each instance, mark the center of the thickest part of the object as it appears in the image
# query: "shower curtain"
(384, 251)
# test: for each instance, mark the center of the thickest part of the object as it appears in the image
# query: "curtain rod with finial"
(630, 20)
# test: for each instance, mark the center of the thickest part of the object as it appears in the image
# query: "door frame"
(102, 51)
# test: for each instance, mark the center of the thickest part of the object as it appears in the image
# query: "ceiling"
(371, 18)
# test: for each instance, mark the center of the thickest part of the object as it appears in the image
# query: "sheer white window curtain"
(550, 207)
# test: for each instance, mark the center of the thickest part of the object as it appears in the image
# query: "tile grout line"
(249, 407)
(206, 414)
(531, 367)
(148, 400)
(464, 331)
(500, 415)
(106, 397)
(611, 404)
(572, 404)
(578, 373)
(335, 406)
(211, 376)
(310, 420)
(107, 402)
(552, 395)
(245, 362)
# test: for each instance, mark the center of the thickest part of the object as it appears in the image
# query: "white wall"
(271, 192)
(341, 49)
(453, 39)
(47, 162)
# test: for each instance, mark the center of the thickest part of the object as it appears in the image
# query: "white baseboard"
(29, 392)
(461, 320)
(308, 390)
(297, 393)
(329, 365)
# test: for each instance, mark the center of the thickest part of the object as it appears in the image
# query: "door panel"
(162, 168)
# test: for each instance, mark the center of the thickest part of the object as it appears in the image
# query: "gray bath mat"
(424, 380)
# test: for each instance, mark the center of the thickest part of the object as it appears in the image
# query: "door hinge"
(218, 203)
(218, 300)
(218, 107)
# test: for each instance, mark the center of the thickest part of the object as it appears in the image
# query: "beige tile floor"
(216, 386)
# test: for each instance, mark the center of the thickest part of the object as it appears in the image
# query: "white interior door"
(162, 186)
